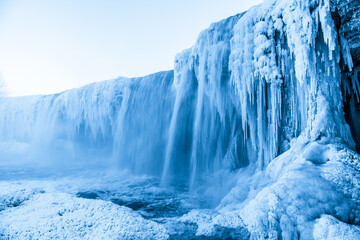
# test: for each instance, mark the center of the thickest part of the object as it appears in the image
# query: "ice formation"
(264, 102)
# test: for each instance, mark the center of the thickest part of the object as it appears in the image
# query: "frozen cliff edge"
(265, 101)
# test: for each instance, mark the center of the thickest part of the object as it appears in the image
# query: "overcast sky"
(49, 46)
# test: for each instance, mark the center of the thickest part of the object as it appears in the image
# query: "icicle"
(259, 32)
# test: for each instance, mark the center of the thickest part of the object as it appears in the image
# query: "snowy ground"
(99, 206)
(310, 191)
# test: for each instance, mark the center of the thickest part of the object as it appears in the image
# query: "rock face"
(349, 13)
(346, 15)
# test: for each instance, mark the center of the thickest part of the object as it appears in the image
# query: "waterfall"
(117, 123)
(238, 98)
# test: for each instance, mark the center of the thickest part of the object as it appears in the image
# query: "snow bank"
(62, 216)
(290, 198)
(328, 227)
(12, 195)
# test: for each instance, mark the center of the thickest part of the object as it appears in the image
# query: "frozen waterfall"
(249, 86)
(264, 108)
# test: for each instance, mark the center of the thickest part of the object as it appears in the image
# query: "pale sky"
(48, 46)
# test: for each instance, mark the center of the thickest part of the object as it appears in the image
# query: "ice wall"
(103, 124)
(182, 128)
(263, 78)
(212, 137)
(285, 68)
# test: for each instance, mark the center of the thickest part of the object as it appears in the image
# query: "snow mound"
(210, 223)
(289, 198)
(12, 195)
(62, 216)
(328, 227)
(308, 192)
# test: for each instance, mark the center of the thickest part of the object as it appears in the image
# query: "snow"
(328, 227)
(210, 222)
(62, 216)
(289, 199)
(297, 194)
(13, 195)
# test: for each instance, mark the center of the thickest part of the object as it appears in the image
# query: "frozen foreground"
(97, 206)
(254, 135)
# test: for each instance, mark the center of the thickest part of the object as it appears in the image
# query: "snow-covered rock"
(328, 227)
(62, 216)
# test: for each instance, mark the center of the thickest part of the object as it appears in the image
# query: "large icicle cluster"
(285, 66)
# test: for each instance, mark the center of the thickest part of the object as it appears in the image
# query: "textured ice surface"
(328, 227)
(289, 199)
(91, 205)
(62, 216)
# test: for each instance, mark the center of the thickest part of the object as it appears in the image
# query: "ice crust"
(328, 227)
(255, 106)
(63, 216)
